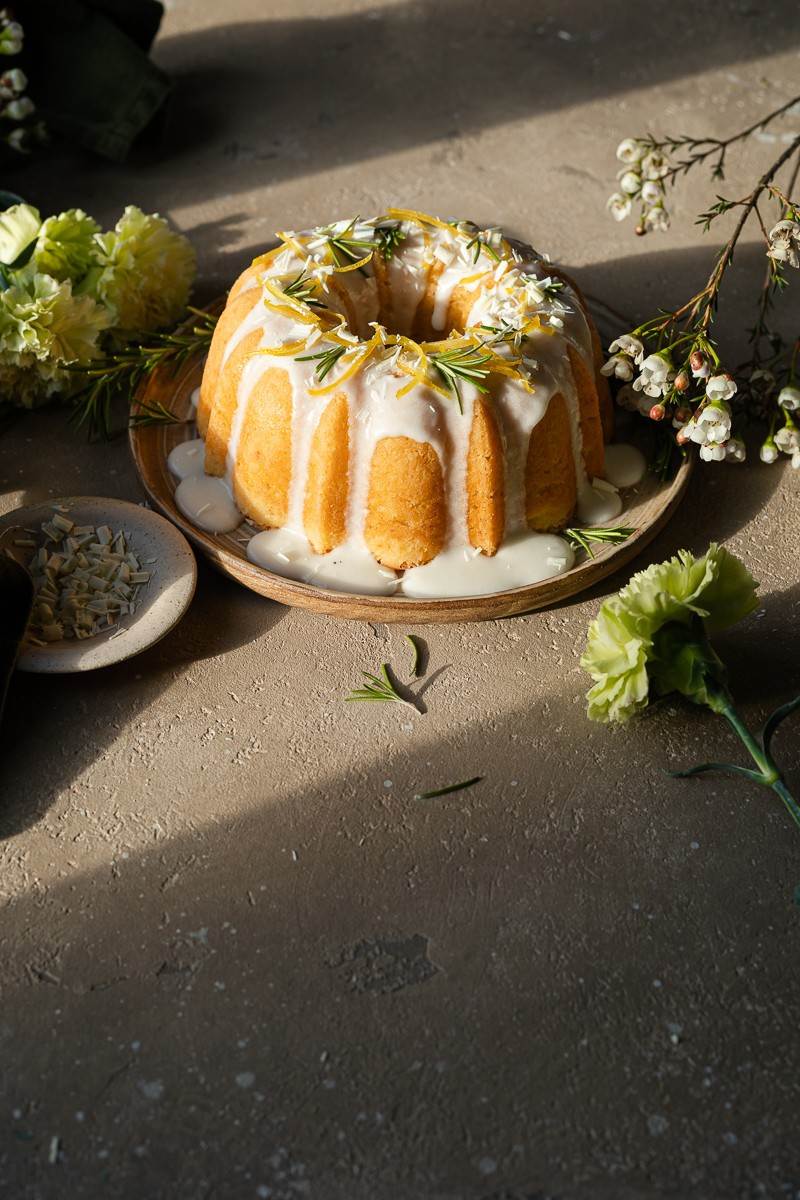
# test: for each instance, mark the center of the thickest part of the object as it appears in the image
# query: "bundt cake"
(403, 390)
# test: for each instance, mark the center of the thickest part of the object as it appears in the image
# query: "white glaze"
(207, 503)
(598, 502)
(187, 458)
(625, 465)
(522, 559)
(346, 569)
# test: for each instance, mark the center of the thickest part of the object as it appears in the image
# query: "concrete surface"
(239, 960)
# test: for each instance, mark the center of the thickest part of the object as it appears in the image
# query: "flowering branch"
(15, 107)
(678, 364)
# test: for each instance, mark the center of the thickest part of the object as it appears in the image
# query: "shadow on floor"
(525, 983)
(289, 97)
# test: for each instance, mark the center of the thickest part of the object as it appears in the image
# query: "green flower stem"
(721, 701)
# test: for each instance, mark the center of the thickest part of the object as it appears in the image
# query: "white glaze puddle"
(527, 558)
(206, 502)
(187, 459)
(598, 502)
(346, 569)
(523, 559)
(625, 465)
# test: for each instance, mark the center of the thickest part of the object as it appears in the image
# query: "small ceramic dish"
(161, 602)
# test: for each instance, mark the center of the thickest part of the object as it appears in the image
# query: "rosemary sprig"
(416, 648)
(477, 243)
(153, 414)
(460, 364)
(326, 360)
(389, 238)
(582, 539)
(122, 371)
(452, 787)
(551, 289)
(380, 688)
(344, 248)
(302, 288)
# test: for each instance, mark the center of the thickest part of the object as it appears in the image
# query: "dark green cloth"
(88, 70)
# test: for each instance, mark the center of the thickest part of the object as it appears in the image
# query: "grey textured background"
(238, 959)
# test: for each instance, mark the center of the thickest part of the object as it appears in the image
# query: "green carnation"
(43, 326)
(66, 246)
(647, 634)
(144, 274)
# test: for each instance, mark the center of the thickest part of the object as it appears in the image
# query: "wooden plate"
(647, 508)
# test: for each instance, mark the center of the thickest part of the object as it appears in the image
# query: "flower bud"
(630, 183)
(19, 109)
(619, 206)
(657, 412)
(699, 364)
(682, 415)
(682, 382)
(629, 151)
(769, 451)
(789, 398)
(682, 437)
(651, 192)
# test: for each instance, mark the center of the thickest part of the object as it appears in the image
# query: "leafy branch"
(326, 360)
(380, 688)
(460, 365)
(700, 149)
(389, 238)
(122, 372)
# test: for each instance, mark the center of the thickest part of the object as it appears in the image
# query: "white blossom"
(630, 151)
(655, 376)
(19, 109)
(656, 219)
(789, 398)
(701, 367)
(630, 182)
(720, 387)
(628, 343)
(11, 37)
(796, 460)
(712, 425)
(12, 83)
(620, 366)
(712, 452)
(787, 439)
(769, 451)
(784, 243)
(18, 140)
(651, 191)
(619, 206)
(735, 450)
(655, 165)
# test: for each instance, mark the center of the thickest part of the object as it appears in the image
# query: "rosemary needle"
(417, 660)
(452, 787)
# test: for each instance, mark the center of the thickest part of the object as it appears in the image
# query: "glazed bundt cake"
(406, 386)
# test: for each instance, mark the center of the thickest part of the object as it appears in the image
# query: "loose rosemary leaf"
(451, 787)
